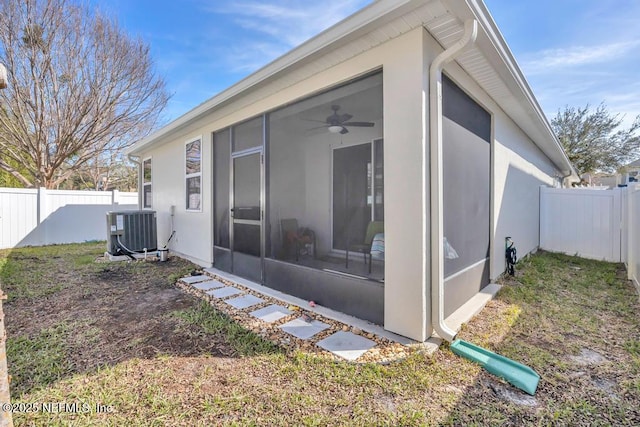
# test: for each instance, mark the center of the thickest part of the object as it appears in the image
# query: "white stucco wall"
(519, 168)
(193, 229)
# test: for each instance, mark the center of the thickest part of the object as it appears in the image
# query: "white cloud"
(268, 29)
(627, 103)
(552, 59)
(250, 56)
(287, 22)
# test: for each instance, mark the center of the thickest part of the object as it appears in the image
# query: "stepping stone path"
(343, 343)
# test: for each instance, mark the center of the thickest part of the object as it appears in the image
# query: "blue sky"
(572, 52)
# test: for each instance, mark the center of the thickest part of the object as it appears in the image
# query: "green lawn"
(121, 336)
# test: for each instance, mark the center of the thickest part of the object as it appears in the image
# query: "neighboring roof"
(490, 63)
(634, 164)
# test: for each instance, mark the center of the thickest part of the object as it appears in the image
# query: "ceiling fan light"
(335, 129)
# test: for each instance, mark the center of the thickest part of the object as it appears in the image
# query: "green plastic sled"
(519, 375)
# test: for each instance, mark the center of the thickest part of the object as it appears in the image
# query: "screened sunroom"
(299, 198)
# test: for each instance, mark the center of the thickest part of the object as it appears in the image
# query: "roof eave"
(356, 25)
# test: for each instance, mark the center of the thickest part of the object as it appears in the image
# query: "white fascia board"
(348, 29)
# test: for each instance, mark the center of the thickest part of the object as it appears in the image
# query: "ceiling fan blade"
(344, 130)
(359, 124)
(315, 121)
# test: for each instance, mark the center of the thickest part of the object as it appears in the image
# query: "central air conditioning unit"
(131, 232)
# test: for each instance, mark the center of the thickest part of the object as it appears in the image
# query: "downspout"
(437, 223)
(564, 178)
(132, 159)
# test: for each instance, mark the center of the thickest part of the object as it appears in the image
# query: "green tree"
(594, 139)
(78, 88)
(7, 179)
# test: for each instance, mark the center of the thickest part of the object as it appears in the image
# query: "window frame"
(147, 183)
(188, 176)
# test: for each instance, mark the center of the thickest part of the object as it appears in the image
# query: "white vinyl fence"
(584, 222)
(633, 234)
(35, 217)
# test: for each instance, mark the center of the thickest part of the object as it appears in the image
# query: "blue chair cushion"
(377, 246)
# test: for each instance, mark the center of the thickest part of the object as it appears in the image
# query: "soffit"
(492, 66)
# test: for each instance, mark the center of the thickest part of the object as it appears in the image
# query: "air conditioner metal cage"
(133, 231)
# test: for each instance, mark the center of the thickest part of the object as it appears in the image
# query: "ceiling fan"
(338, 123)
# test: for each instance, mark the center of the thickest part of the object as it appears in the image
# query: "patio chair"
(374, 228)
(295, 238)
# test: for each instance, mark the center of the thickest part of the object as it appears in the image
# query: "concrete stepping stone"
(227, 291)
(209, 284)
(195, 279)
(346, 345)
(244, 301)
(302, 329)
(271, 313)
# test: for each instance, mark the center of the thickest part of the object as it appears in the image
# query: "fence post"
(115, 197)
(43, 213)
(543, 217)
(631, 265)
(616, 256)
(40, 205)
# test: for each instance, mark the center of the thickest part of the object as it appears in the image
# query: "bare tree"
(79, 87)
(103, 173)
(6, 420)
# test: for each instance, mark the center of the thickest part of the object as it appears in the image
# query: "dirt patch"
(606, 386)
(512, 395)
(588, 357)
(113, 311)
